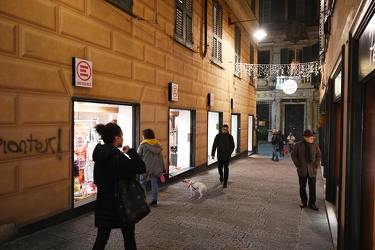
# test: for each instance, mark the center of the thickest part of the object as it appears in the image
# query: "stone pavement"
(259, 210)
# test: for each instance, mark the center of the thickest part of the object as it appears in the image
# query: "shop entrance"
(368, 199)
(235, 131)
(87, 114)
(215, 120)
(294, 120)
(181, 137)
(250, 134)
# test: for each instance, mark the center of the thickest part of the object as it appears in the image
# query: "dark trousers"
(220, 165)
(312, 189)
(127, 233)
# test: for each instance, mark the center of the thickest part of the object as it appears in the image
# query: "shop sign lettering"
(32, 145)
(366, 47)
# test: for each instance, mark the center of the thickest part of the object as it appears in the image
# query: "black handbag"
(130, 199)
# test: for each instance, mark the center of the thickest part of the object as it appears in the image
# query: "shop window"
(86, 116)
(250, 133)
(235, 131)
(181, 146)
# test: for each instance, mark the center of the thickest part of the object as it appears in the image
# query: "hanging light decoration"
(289, 87)
(267, 70)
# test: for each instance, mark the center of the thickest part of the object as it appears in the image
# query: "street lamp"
(259, 34)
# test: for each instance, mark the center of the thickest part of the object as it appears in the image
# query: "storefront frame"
(192, 141)
(135, 138)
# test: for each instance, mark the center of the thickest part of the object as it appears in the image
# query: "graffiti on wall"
(31, 144)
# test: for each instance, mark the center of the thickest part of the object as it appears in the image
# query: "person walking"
(306, 156)
(281, 143)
(150, 151)
(224, 144)
(111, 165)
(275, 145)
(290, 140)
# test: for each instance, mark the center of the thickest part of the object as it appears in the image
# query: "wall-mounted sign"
(366, 50)
(262, 123)
(211, 99)
(232, 103)
(82, 73)
(173, 92)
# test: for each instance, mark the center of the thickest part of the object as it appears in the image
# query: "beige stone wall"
(133, 61)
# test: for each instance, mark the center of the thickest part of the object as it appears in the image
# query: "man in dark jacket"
(225, 145)
(306, 157)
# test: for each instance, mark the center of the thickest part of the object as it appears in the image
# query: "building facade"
(292, 42)
(348, 80)
(67, 65)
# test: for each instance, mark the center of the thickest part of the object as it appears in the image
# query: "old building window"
(217, 33)
(271, 11)
(125, 5)
(184, 22)
(253, 7)
(237, 51)
(263, 58)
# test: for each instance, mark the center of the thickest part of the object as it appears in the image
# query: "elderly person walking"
(306, 157)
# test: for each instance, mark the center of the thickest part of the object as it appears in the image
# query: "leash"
(189, 184)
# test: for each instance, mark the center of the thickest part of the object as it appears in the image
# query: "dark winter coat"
(275, 139)
(105, 176)
(300, 161)
(282, 140)
(225, 146)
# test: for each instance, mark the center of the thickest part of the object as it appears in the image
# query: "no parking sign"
(82, 73)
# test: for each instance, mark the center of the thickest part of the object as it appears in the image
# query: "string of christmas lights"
(267, 70)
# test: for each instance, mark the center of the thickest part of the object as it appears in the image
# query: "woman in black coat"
(106, 173)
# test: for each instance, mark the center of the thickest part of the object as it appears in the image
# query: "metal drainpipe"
(205, 29)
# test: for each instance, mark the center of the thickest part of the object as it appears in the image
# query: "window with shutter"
(284, 59)
(184, 22)
(217, 21)
(125, 5)
(237, 51)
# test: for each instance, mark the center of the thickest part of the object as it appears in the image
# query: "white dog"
(196, 186)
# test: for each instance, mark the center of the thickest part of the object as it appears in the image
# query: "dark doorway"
(294, 119)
